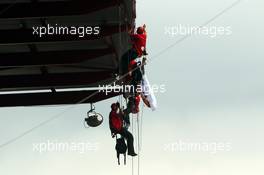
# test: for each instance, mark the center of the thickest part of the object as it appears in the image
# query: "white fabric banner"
(148, 92)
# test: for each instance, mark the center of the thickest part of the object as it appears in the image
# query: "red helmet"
(140, 30)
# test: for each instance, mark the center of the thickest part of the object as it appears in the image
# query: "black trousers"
(130, 140)
(126, 58)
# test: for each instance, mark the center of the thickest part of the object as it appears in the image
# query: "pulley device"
(93, 118)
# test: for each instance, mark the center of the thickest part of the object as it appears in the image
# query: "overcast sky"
(214, 94)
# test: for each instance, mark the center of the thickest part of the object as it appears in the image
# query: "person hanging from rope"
(139, 40)
(118, 124)
(138, 49)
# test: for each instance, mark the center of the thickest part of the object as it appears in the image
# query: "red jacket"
(136, 107)
(115, 121)
(139, 42)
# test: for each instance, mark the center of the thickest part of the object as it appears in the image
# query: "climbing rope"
(138, 144)
(137, 133)
(140, 126)
(132, 125)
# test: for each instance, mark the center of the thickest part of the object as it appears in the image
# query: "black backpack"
(121, 148)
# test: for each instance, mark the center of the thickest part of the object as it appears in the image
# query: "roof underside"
(29, 62)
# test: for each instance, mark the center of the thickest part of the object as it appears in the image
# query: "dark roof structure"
(29, 62)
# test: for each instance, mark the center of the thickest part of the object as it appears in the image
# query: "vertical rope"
(138, 134)
(141, 126)
(132, 134)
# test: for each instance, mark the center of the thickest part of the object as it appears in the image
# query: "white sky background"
(214, 94)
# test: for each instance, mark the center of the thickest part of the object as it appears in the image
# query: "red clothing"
(137, 102)
(115, 121)
(139, 42)
(131, 65)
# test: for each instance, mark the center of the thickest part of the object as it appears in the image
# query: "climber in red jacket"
(116, 123)
(139, 41)
(138, 49)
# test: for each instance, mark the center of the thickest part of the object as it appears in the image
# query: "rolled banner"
(148, 92)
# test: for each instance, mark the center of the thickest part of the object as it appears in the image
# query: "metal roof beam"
(59, 8)
(57, 98)
(50, 57)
